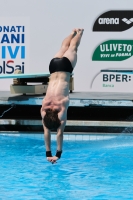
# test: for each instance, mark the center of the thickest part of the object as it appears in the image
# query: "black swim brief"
(60, 64)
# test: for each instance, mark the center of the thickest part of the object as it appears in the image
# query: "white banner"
(14, 46)
(105, 54)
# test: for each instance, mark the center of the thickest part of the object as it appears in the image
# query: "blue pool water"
(101, 169)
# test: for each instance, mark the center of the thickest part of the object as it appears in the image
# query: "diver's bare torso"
(57, 96)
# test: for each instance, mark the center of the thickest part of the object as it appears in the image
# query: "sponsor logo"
(108, 20)
(116, 77)
(114, 80)
(113, 50)
(13, 45)
(127, 21)
(117, 20)
(9, 67)
(12, 39)
(111, 78)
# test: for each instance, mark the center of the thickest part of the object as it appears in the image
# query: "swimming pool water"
(87, 170)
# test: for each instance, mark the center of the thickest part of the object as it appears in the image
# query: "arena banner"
(114, 20)
(14, 45)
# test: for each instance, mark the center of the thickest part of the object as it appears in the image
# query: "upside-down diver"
(56, 102)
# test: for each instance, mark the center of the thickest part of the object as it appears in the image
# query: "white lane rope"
(7, 110)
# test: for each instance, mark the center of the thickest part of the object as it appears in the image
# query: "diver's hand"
(52, 159)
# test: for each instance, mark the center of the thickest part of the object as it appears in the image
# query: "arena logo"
(113, 50)
(117, 20)
(108, 20)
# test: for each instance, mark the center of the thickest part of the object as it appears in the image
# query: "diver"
(56, 102)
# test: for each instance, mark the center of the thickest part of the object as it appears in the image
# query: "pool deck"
(77, 99)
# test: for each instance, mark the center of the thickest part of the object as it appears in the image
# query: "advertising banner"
(108, 80)
(117, 79)
(14, 46)
(30, 39)
(114, 50)
(114, 20)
